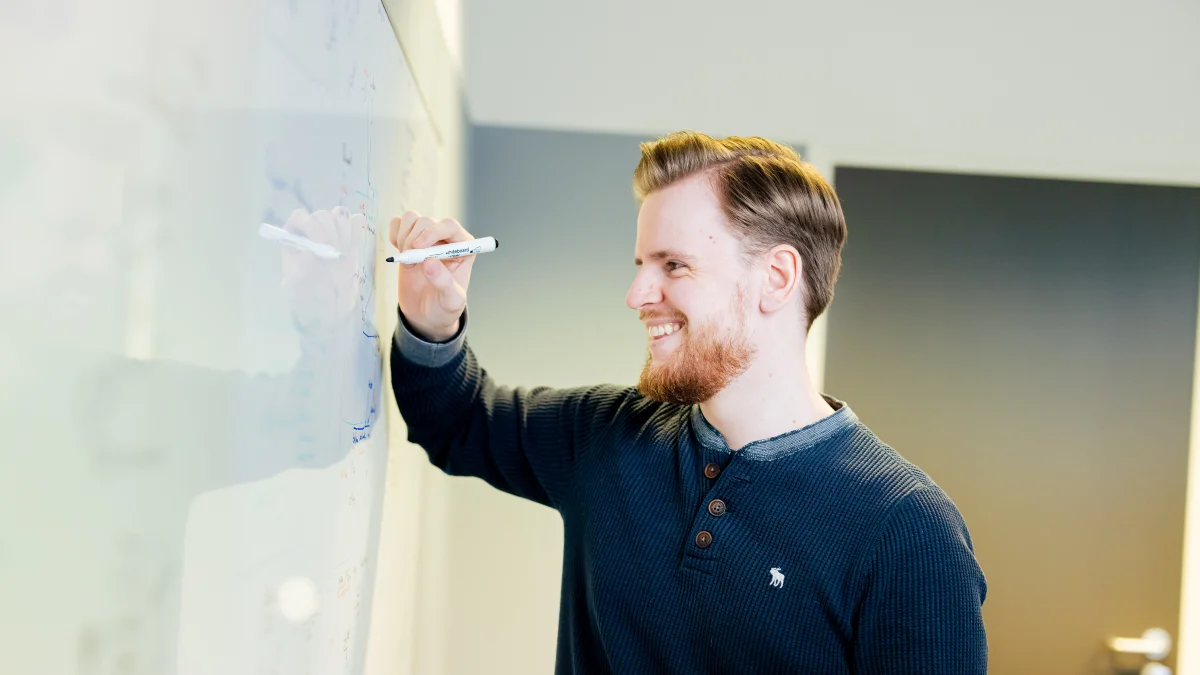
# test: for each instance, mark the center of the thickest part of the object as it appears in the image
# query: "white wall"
(1188, 652)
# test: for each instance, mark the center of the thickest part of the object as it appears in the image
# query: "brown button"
(703, 539)
(712, 470)
(716, 507)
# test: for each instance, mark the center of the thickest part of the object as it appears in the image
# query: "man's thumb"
(441, 279)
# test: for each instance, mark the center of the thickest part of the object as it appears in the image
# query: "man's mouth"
(664, 331)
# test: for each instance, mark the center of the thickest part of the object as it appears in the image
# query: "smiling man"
(721, 516)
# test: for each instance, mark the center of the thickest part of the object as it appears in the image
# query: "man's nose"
(642, 292)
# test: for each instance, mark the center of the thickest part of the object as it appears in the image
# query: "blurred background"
(1017, 312)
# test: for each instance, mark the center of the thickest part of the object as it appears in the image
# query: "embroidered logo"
(776, 577)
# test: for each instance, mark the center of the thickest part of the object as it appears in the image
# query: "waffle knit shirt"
(820, 550)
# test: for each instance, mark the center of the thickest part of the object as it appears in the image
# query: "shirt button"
(703, 539)
(716, 507)
(712, 470)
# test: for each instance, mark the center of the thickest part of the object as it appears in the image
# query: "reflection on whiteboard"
(195, 439)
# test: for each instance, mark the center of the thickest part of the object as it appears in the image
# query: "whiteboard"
(192, 448)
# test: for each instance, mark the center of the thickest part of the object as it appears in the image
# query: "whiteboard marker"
(455, 249)
(302, 243)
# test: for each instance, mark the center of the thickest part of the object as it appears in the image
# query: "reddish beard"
(701, 365)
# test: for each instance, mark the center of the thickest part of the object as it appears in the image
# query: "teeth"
(665, 329)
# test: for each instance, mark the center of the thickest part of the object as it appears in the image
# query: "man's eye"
(672, 266)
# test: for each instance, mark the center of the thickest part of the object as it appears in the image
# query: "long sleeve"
(922, 611)
(522, 441)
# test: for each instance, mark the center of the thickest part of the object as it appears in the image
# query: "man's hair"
(769, 195)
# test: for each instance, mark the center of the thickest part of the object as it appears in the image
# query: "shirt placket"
(715, 519)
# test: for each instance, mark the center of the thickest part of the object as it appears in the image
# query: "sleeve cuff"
(428, 354)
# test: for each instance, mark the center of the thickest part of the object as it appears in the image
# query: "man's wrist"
(436, 335)
(424, 348)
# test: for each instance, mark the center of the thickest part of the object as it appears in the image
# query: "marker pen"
(455, 249)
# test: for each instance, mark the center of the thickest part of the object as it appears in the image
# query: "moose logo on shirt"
(776, 577)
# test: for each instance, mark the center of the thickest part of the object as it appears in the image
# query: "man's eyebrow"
(668, 253)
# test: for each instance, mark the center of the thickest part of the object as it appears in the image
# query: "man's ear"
(784, 281)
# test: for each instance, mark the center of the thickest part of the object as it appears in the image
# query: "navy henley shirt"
(820, 550)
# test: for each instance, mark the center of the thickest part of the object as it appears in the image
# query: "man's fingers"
(412, 230)
(453, 263)
(407, 220)
(423, 223)
(445, 230)
(400, 227)
(449, 296)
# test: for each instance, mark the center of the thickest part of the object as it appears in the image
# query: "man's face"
(690, 284)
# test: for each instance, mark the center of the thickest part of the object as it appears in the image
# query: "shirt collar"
(789, 442)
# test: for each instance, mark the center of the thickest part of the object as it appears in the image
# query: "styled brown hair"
(769, 195)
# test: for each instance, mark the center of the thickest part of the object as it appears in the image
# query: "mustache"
(652, 316)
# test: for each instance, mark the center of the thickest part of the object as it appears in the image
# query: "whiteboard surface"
(192, 446)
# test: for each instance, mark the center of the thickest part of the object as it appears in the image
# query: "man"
(722, 516)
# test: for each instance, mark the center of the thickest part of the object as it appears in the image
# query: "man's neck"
(773, 396)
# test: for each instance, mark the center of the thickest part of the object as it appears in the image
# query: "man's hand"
(432, 294)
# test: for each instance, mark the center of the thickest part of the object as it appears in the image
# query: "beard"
(705, 361)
